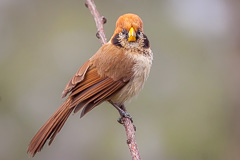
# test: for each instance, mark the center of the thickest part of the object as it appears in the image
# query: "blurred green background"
(188, 109)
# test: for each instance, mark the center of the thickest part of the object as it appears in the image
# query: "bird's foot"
(124, 115)
(122, 111)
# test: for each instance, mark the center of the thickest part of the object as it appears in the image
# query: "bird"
(115, 74)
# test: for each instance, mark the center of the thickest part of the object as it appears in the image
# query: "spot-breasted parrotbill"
(115, 73)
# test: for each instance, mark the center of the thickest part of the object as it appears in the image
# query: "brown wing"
(89, 89)
(99, 78)
(93, 90)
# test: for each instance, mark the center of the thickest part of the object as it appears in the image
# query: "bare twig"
(99, 20)
(129, 127)
(131, 140)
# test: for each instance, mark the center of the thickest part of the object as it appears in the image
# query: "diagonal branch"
(131, 140)
(128, 125)
(99, 20)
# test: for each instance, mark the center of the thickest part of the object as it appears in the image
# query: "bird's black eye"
(124, 32)
(138, 33)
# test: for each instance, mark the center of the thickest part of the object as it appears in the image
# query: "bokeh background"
(188, 110)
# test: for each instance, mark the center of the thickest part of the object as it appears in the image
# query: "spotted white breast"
(141, 71)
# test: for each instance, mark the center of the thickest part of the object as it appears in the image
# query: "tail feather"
(50, 129)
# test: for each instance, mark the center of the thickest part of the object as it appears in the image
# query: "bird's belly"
(141, 71)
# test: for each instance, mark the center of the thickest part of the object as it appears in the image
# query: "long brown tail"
(50, 128)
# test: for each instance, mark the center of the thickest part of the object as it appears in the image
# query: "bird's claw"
(124, 115)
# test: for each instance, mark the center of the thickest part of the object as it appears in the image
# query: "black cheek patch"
(115, 40)
(146, 43)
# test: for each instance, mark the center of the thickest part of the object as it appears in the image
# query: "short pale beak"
(131, 35)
